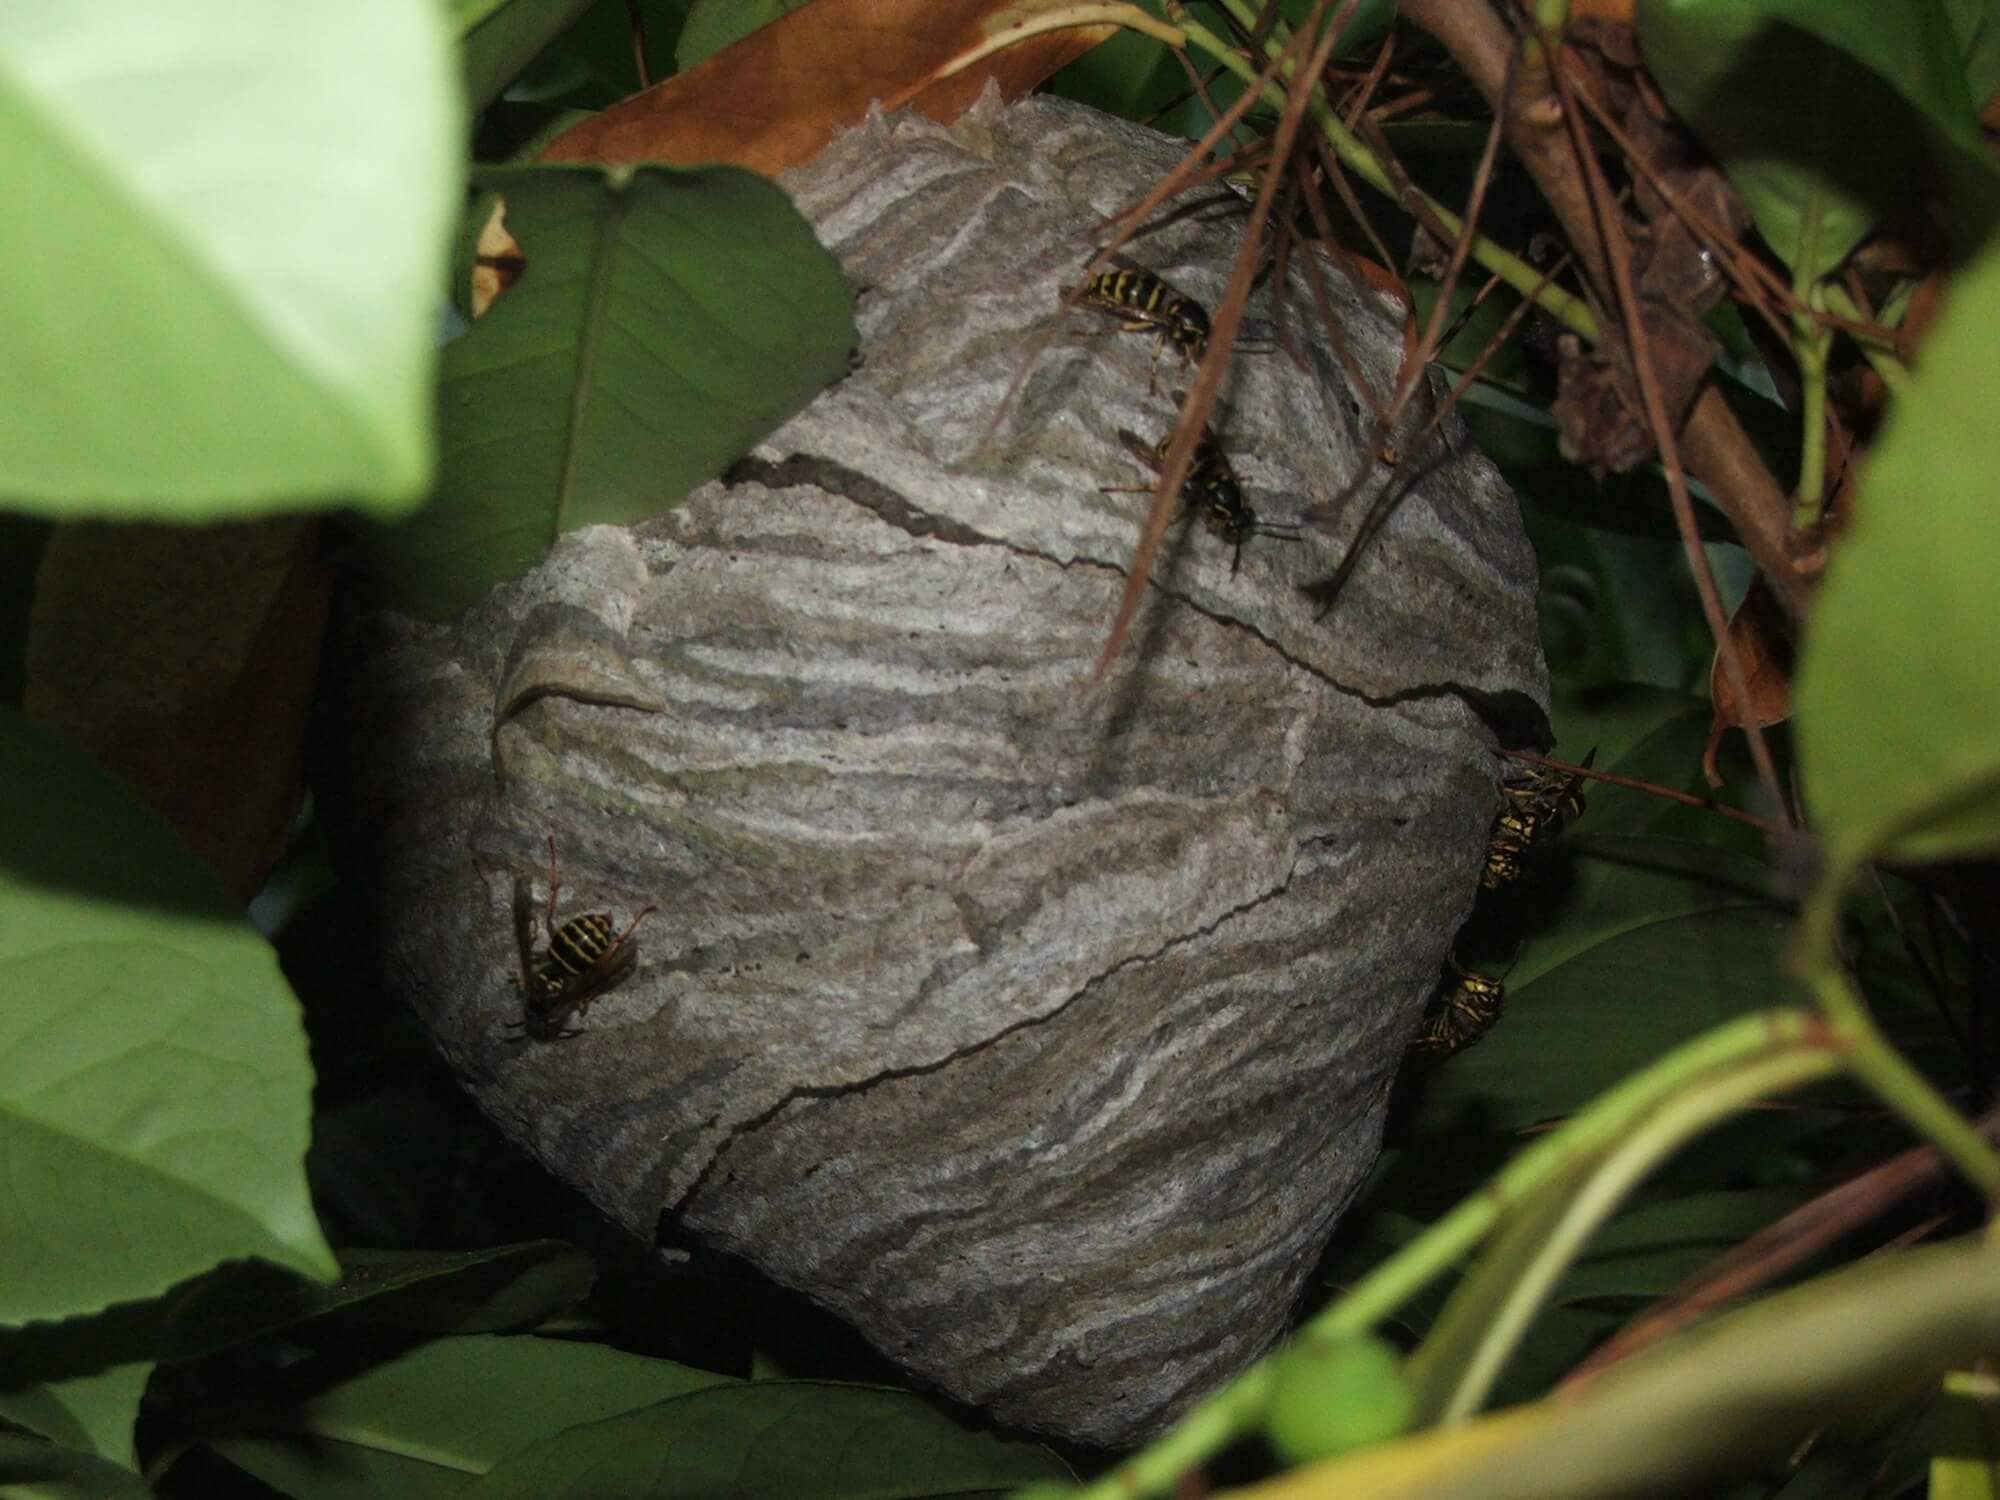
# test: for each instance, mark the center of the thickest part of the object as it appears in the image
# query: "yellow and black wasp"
(1145, 303)
(1212, 490)
(1550, 791)
(1461, 1016)
(582, 961)
(1541, 802)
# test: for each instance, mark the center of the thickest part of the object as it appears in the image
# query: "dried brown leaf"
(1759, 633)
(776, 97)
(184, 659)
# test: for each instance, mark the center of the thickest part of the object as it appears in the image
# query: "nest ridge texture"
(1040, 1027)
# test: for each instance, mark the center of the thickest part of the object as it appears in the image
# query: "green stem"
(1881, 356)
(1650, 1141)
(1510, 268)
(1244, 13)
(1811, 340)
(1878, 1066)
(1884, 1071)
(1438, 1248)
(1238, 1408)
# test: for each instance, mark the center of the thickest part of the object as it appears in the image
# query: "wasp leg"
(524, 932)
(555, 884)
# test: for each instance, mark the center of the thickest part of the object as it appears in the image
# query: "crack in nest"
(791, 1096)
(895, 510)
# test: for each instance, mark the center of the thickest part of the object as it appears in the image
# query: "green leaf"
(588, 66)
(1896, 696)
(1127, 74)
(31, 1469)
(1648, 941)
(94, 1413)
(1643, 1254)
(1652, 1248)
(420, 1423)
(477, 1291)
(715, 24)
(226, 293)
(498, 39)
(800, 1440)
(1657, 737)
(667, 321)
(1825, 113)
(154, 1086)
(462, 1291)
(1978, 32)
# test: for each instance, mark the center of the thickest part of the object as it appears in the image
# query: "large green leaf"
(78, 1381)
(462, 1291)
(1653, 1247)
(1977, 28)
(667, 320)
(92, 1413)
(500, 37)
(786, 1439)
(1644, 1253)
(1657, 737)
(421, 1423)
(1648, 941)
(223, 283)
(1897, 696)
(1826, 114)
(536, 63)
(31, 1469)
(715, 24)
(154, 1086)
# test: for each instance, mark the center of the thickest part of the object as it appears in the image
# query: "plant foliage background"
(252, 1240)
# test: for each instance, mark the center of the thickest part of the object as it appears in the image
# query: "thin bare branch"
(1651, 789)
(1776, 1249)
(1718, 448)
(1222, 333)
(1618, 259)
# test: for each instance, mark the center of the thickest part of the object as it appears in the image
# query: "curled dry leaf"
(1758, 632)
(776, 97)
(1684, 215)
(196, 683)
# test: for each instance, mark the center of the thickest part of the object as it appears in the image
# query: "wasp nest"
(1039, 1026)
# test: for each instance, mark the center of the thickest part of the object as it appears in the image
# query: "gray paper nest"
(1039, 1028)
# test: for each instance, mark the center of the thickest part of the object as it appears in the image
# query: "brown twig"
(1222, 334)
(1461, 249)
(1617, 254)
(638, 23)
(1718, 449)
(1651, 789)
(1776, 1249)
